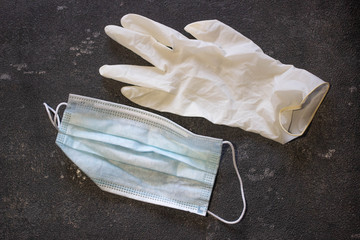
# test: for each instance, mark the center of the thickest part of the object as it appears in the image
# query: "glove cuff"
(301, 94)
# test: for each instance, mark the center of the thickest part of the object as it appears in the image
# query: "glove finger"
(144, 45)
(222, 35)
(160, 32)
(149, 77)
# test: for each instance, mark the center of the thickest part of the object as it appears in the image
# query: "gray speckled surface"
(306, 189)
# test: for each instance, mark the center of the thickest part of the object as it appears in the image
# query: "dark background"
(306, 189)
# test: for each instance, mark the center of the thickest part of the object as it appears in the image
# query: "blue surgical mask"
(140, 155)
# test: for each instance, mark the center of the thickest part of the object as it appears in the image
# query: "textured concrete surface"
(306, 189)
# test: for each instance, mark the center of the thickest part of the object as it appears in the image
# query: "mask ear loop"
(241, 189)
(55, 121)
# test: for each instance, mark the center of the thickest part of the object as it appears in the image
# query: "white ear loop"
(56, 119)
(241, 189)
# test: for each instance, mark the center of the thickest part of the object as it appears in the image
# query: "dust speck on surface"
(353, 89)
(85, 46)
(78, 173)
(19, 66)
(328, 155)
(253, 176)
(5, 76)
(96, 34)
(355, 236)
(24, 68)
(35, 72)
(60, 8)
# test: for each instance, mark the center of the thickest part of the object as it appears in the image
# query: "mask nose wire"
(241, 189)
(55, 121)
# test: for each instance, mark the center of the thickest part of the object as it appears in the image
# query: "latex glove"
(221, 76)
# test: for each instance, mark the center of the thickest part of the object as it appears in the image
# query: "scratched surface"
(306, 189)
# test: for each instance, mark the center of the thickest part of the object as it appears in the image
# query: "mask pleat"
(144, 183)
(150, 159)
(131, 132)
(138, 131)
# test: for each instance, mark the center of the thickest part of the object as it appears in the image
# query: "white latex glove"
(221, 76)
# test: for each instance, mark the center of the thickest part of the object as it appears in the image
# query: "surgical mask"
(140, 155)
